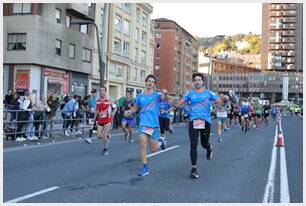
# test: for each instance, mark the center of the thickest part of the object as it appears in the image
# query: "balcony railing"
(291, 53)
(290, 60)
(289, 40)
(289, 26)
(289, 13)
(275, 7)
(278, 26)
(289, 33)
(289, 7)
(275, 46)
(288, 46)
(289, 19)
(290, 66)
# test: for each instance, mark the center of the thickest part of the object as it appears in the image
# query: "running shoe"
(88, 140)
(143, 172)
(105, 152)
(209, 153)
(163, 143)
(219, 139)
(194, 174)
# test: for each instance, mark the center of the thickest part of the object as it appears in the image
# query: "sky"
(210, 19)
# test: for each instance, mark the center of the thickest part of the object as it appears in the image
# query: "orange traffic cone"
(279, 140)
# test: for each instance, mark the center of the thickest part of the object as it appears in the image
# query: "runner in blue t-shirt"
(164, 117)
(199, 101)
(149, 104)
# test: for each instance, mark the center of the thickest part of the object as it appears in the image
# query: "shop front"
(79, 84)
(22, 80)
(57, 81)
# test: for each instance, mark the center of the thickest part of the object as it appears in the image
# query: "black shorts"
(164, 124)
(257, 115)
(266, 115)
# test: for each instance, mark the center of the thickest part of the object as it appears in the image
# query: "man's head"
(128, 94)
(76, 97)
(93, 92)
(150, 81)
(198, 80)
(9, 92)
(102, 91)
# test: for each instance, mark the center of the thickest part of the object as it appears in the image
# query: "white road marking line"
(32, 195)
(269, 190)
(284, 187)
(161, 151)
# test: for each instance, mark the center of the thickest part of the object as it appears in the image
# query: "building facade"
(42, 50)
(175, 56)
(282, 37)
(128, 47)
(253, 82)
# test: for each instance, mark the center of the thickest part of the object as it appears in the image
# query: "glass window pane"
(68, 19)
(21, 46)
(126, 27)
(12, 38)
(26, 8)
(12, 46)
(83, 28)
(21, 38)
(17, 8)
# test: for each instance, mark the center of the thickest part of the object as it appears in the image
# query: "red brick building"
(175, 56)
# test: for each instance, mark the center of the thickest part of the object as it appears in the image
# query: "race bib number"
(246, 115)
(199, 124)
(92, 109)
(103, 114)
(148, 130)
(267, 111)
(221, 113)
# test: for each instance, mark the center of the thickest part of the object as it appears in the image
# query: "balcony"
(291, 53)
(289, 26)
(275, 39)
(275, 13)
(289, 7)
(81, 9)
(289, 19)
(288, 40)
(290, 66)
(276, 26)
(275, 7)
(275, 46)
(289, 33)
(289, 13)
(288, 46)
(290, 60)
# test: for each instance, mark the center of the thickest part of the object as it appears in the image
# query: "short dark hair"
(128, 91)
(104, 88)
(197, 74)
(151, 76)
(75, 96)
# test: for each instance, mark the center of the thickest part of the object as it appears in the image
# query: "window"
(144, 37)
(16, 42)
(142, 74)
(72, 51)
(126, 27)
(137, 34)
(120, 71)
(111, 69)
(58, 14)
(89, 4)
(84, 28)
(118, 22)
(101, 16)
(157, 56)
(157, 45)
(58, 46)
(119, 6)
(138, 14)
(117, 46)
(127, 8)
(144, 18)
(136, 54)
(21, 9)
(143, 57)
(125, 49)
(158, 35)
(68, 21)
(86, 55)
(157, 66)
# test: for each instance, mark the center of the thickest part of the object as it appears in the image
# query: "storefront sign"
(57, 77)
(22, 79)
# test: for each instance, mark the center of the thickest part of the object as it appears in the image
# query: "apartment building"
(282, 36)
(129, 47)
(175, 56)
(42, 50)
(253, 82)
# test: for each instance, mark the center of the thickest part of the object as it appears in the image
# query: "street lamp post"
(101, 63)
(210, 60)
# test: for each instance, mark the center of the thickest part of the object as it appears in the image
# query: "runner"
(164, 117)
(149, 103)
(200, 101)
(128, 120)
(223, 107)
(92, 107)
(105, 110)
(257, 114)
(244, 109)
(266, 110)
(274, 112)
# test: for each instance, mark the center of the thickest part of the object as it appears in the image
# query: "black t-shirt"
(266, 109)
(127, 105)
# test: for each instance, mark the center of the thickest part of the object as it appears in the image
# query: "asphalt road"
(73, 171)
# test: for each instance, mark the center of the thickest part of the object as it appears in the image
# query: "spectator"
(76, 116)
(46, 109)
(30, 118)
(53, 104)
(69, 111)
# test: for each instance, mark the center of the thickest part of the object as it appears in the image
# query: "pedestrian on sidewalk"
(91, 114)
(149, 104)
(200, 100)
(53, 103)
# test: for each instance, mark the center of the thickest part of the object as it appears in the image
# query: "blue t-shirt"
(274, 110)
(149, 109)
(244, 108)
(164, 109)
(200, 103)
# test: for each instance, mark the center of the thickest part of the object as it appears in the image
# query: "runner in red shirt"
(105, 109)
